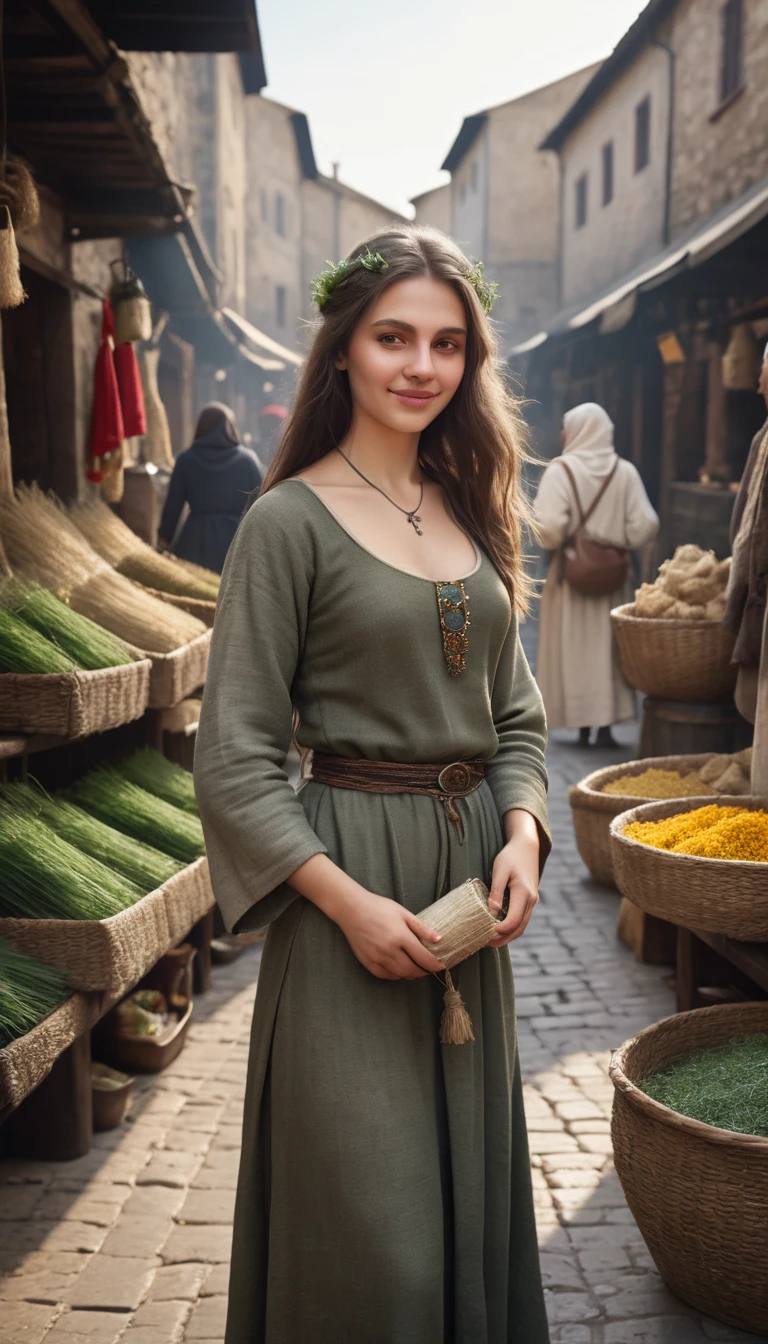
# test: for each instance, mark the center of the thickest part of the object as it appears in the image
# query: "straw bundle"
(19, 193)
(90, 647)
(42, 544)
(151, 771)
(29, 991)
(146, 867)
(44, 877)
(117, 802)
(11, 289)
(127, 553)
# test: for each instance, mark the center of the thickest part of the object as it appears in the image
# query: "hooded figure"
(577, 669)
(216, 477)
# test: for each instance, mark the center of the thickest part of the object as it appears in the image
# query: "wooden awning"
(75, 115)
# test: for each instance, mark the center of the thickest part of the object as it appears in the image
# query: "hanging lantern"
(19, 193)
(131, 307)
(11, 288)
(107, 430)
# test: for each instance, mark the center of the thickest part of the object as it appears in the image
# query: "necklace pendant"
(414, 519)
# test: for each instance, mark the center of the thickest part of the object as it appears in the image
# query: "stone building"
(664, 253)
(502, 202)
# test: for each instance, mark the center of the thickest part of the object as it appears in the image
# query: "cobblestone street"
(132, 1241)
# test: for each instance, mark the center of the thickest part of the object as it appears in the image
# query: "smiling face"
(407, 354)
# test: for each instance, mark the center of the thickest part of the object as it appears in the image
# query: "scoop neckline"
(409, 573)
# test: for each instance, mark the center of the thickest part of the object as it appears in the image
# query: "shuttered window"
(643, 134)
(732, 48)
(581, 201)
(608, 173)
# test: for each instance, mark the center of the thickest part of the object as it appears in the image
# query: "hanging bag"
(592, 568)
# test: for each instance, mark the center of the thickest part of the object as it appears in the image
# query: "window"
(732, 48)
(643, 134)
(581, 201)
(608, 173)
(473, 176)
(280, 214)
(264, 205)
(280, 304)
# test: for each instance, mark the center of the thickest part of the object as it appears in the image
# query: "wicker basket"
(74, 704)
(593, 811)
(196, 606)
(699, 1194)
(26, 1062)
(112, 954)
(716, 895)
(176, 675)
(675, 660)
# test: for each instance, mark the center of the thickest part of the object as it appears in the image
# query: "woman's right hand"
(384, 937)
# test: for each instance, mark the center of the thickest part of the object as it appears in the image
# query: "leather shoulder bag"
(592, 568)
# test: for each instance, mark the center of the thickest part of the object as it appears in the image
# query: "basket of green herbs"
(60, 673)
(39, 1018)
(152, 771)
(690, 1141)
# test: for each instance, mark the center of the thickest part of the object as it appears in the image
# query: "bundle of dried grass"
(128, 554)
(43, 544)
(19, 193)
(11, 289)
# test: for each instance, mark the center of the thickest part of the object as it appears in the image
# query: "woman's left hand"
(516, 869)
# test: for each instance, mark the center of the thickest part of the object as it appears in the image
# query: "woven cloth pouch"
(465, 925)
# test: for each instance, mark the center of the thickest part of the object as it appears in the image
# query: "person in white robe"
(577, 667)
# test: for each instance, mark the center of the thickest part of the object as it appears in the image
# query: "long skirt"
(384, 1194)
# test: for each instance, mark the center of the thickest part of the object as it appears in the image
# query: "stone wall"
(618, 235)
(434, 208)
(719, 151)
(273, 201)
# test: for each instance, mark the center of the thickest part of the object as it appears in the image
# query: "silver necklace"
(413, 516)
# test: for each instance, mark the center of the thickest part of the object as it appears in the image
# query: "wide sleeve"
(174, 500)
(517, 774)
(642, 520)
(255, 828)
(552, 508)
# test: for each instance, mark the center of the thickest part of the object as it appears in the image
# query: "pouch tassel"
(455, 1024)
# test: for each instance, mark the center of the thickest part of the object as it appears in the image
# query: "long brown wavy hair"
(475, 447)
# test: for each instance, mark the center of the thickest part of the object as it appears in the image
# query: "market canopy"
(258, 338)
(615, 304)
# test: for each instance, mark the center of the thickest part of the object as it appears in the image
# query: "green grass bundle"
(146, 867)
(86, 643)
(42, 876)
(726, 1087)
(29, 991)
(23, 649)
(119, 803)
(150, 770)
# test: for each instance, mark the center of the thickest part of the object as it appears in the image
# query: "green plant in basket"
(23, 649)
(726, 1087)
(106, 794)
(83, 640)
(148, 868)
(153, 772)
(42, 876)
(29, 991)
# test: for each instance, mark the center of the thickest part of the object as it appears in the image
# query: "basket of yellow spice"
(699, 867)
(605, 793)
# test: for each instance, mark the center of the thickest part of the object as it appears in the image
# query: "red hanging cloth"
(131, 391)
(107, 430)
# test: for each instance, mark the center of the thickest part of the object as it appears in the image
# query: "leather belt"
(444, 782)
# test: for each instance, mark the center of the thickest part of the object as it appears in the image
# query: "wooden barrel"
(680, 728)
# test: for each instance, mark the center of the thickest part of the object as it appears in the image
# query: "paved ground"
(132, 1241)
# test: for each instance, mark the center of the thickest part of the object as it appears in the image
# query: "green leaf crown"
(324, 284)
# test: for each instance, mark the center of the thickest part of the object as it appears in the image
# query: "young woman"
(577, 667)
(216, 477)
(384, 1193)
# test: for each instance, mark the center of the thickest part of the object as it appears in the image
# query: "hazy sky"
(385, 86)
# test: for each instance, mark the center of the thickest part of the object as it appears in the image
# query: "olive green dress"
(384, 1193)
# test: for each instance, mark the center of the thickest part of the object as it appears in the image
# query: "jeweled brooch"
(453, 605)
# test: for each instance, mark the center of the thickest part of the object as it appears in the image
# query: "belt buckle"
(455, 778)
